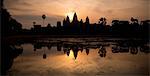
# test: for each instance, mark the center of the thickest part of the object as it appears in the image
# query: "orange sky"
(27, 11)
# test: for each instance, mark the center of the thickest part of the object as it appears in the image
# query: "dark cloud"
(20, 9)
(140, 12)
(26, 3)
(17, 3)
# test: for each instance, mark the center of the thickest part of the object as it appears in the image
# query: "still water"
(81, 57)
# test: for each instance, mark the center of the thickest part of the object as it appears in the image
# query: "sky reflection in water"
(31, 63)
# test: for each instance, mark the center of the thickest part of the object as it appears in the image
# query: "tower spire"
(75, 18)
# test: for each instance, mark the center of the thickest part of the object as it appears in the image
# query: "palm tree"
(133, 20)
(34, 23)
(102, 21)
(43, 16)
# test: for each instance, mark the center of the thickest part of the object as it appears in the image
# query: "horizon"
(27, 12)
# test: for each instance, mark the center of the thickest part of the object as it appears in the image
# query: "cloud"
(59, 64)
(11, 3)
(21, 10)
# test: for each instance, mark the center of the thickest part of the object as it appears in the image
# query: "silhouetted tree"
(115, 26)
(9, 25)
(102, 23)
(43, 16)
(34, 23)
(8, 51)
(145, 28)
(120, 27)
(135, 28)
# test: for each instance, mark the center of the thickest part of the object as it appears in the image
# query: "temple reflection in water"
(117, 46)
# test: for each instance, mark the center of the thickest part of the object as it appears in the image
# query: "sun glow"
(71, 58)
(71, 55)
(70, 15)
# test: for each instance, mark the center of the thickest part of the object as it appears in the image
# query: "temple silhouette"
(78, 27)
(75, 27)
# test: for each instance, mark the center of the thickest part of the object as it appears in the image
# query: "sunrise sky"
(28, 11)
